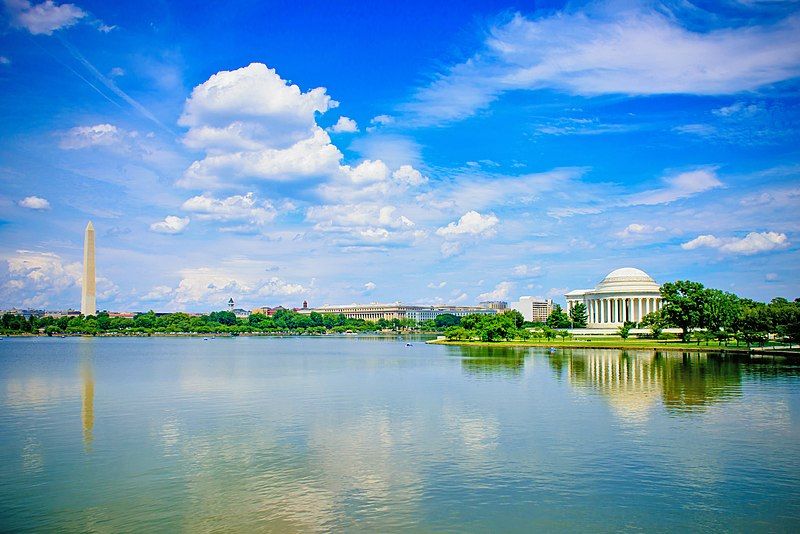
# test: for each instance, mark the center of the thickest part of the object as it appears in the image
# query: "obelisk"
(88, 304)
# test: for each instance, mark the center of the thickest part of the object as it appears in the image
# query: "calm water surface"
(357, 434)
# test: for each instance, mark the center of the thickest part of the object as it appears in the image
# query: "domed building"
(626, 294)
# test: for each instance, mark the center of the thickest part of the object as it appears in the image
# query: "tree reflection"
(634, 381)
(493, 361)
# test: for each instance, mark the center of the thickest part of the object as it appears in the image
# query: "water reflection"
(86, 356)
(492, 361)
(634, 382)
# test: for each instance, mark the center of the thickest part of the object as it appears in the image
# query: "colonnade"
(611, 310)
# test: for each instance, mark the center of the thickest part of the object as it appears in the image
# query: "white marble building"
(626, 294)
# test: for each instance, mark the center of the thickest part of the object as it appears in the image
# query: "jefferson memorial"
(626, 294)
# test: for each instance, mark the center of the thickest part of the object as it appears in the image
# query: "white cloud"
(87, 136)
(440, 285)
(527, 271)
(611, 51)
(171, 224)
(117, 72)
(253, 124)
(240, 208)
(44, 18)
(500, 292)
(4, 60)
(158, 293)
(703, 130)
(676, 187)
(370, 223)
(471, 223)
(451, 248)
(638, 230)
(35, 203)
(210, 286)
(344, 125)
(771, 277)
(370, 287)
(752, 243)
(34, 278)
(738, 109)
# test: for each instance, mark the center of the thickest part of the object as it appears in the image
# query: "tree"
(720, 312)
(557, 318)
(655, 322)
(683, 305)
(625, 330)
(516, 316)
(446, 320)
(579, 315)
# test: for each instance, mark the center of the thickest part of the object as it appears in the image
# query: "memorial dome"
(627, 279)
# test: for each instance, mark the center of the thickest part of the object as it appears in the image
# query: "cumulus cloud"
(638, 230)
(172, 224)
(371, 223)
(44, 18)
(500, 292)
(738, 109)
(33, 279)
(369, 287)
(238, 208)
(35, 203)
(678, 186)
(209, 286)
(527, 271)
(752, 243)
(471, 223)
(87, 136)
(344, 125)
(440, 285)
(611, 51)
(251, 123)
(451, 248)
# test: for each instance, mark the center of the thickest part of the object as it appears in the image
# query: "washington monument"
(88, 305)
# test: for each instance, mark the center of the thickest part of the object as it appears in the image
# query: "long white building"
(626, 294)
(376, 312)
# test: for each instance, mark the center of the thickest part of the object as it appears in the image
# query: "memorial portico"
(626, 294)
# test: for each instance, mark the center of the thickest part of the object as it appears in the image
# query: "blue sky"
(276, 152)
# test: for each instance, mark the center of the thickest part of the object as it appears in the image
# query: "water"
(358, 434)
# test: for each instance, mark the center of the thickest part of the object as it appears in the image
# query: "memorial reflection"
(634, 382)
(493, 361)
(86, 357)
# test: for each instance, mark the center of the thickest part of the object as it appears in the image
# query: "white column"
(640, 310)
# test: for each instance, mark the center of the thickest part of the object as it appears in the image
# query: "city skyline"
(484, 154)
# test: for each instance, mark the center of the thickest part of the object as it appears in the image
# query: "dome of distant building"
(625, 294)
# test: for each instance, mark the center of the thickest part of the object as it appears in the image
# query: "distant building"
(266, 310)
(27, 314)
(122, 315)
(241, 313)
(494, 304)
(626, 294)
(376, 312)
(532, 309)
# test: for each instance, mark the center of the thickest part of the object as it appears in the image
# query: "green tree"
(655, 322)
(720, 312)
(625, 330)
(516, 316)
(446, 320)
(579, 315)
(558, 319)
(684, 305)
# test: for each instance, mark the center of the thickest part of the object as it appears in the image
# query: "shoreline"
(615, 345)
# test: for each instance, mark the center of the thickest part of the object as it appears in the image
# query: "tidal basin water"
(367, 434)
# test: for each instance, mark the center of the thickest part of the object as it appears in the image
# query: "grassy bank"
(611, 343)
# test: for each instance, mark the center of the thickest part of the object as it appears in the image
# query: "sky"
(429, 153)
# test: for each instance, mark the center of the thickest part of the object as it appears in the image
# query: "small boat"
(205, 339)
(409, 345)
(552, 350)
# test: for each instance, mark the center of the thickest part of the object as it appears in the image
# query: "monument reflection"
(86, 357)
(634, 382)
